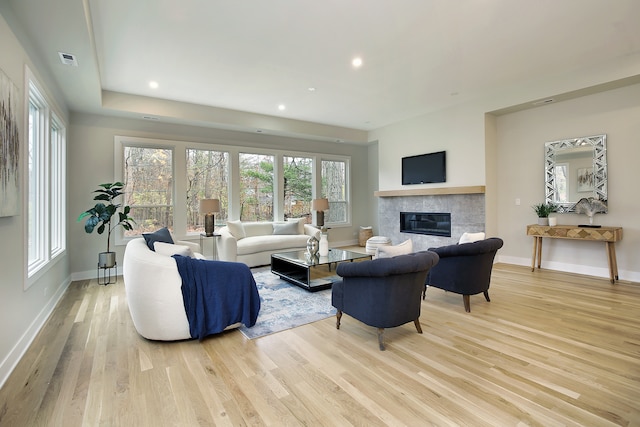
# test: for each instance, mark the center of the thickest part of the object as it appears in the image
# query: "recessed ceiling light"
(282, 107)
(357, 62)
(153, 84)
(311, 89)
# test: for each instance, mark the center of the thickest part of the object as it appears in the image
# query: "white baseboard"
(83, 275)
(17, 352)
(89, 275)
(630, 276)
(334, 244)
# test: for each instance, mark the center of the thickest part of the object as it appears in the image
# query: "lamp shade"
(209, 205)
(320, 205)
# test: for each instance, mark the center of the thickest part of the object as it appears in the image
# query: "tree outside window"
(148, 174)
(256, 187)
(297, 187)
(334, 188)
(207, 178)
(159, 172)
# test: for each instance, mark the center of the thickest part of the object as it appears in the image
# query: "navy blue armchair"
(384, 292)
(464, 269)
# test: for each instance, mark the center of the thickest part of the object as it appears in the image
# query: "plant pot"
(106, 259)
(543, 221)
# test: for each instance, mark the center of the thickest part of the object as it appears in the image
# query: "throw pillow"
(300, 222)
(169, 249)
(403, 248)
(161, 235)
(285, 228)
(236, 229)
(471, 237)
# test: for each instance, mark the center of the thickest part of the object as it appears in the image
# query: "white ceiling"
(245, 57)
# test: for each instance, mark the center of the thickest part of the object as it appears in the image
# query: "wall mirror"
(574, 169)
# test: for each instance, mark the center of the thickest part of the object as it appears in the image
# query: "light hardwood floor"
(549, 349)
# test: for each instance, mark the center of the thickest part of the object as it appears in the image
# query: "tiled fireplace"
(467, 214)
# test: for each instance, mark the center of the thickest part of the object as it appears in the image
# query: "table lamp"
(320, 205)
(208, 207)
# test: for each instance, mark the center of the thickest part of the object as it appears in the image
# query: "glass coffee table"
(311, 273)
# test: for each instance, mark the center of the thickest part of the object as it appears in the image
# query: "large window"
(149, 187)
(165, 181)
(298, 174)
(46, 170)
(335, 188)
(207, 178)
(256, 187)
(58, 185)
(37, 180)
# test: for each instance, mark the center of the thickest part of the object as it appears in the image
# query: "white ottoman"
(374, 242)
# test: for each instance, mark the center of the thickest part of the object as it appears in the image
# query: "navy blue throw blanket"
(217, 294)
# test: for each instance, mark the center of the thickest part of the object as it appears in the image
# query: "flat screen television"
(424, 168)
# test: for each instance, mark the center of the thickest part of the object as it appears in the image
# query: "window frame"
(347, 190)
(121, 143)
(199, 227)
(275, 199)
(58, 189)
(45, 181)
(233, 209)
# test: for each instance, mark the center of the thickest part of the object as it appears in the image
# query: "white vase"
(324, 245)
(543, 221)
(553, 221)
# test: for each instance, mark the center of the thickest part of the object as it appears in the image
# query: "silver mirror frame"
(599, 144)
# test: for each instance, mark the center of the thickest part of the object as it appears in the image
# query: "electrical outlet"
(517, 202)
(46, 291)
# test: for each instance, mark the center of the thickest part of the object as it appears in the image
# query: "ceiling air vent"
(68, 59)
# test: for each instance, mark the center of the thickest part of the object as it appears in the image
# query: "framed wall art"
(9, 147)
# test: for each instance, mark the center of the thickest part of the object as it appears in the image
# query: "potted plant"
(543, 210)
(101, 216)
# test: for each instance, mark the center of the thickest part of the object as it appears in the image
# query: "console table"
(609, 235)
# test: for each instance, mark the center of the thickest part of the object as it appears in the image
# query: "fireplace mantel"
(475, 189)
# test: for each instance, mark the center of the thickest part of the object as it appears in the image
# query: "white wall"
(91, 162)
(458, 130)
(505, 153)
(521, 137)
(22, 312)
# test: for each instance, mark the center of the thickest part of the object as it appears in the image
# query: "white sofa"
(253, 242)
(154, 290)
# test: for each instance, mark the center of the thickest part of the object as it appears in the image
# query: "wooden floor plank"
(551, 348)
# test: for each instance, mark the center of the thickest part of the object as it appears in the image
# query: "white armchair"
(154, 291)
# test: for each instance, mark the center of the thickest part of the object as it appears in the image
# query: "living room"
(494, 139)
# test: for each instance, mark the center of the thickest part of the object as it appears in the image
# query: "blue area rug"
(285, 306)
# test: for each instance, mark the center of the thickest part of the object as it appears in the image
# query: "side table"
(214, 239)
(608, 235)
